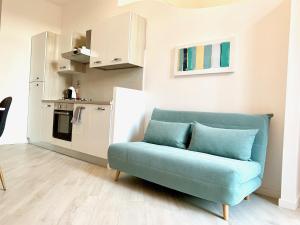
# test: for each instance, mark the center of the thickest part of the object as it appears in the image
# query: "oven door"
(62, 126)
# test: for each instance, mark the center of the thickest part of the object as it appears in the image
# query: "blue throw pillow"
(167, 133)
(229, 143)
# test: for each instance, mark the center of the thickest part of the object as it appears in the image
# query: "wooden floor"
(44, 187)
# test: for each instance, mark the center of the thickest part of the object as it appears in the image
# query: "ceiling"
(59, 2)
(178, 3)
(187, 3)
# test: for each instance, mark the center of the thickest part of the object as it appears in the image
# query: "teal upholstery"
(226, 120)
(206, 176)
(230, 143)
(165, 133)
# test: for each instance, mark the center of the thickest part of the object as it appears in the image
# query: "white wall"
(258, 85)
(0, 12)
(290, 192)
(98, 84)
(21, 20)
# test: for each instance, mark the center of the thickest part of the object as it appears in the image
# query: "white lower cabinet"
(91, 134)
(34, 112)
(47, 122)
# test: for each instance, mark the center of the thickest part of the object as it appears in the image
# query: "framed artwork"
(205, 58)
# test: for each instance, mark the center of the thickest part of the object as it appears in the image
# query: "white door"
(118, 39)
(36, 90)
(47, 121)
(80, 131)
(99, 45)
(38, 57)
(99, 130)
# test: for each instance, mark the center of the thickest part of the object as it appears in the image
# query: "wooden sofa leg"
(247, 198)
(117, 175)
(2, 180)
(225, 212)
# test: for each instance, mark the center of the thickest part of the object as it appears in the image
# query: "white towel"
(77, 115)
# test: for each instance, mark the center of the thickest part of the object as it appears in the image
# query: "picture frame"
(209, 57)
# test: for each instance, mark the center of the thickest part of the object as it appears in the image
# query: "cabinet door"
(80, 131)
(47, 122)
(35, 111)
(64, 65)
(118, 39)
(38, 57)
(99, 130)
(99, 45)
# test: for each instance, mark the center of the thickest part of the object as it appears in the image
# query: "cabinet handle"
(117, 60)
(48, 106)
(101, 109)
(62, 67)
(97, 62)
(62, 113)
(37, 78)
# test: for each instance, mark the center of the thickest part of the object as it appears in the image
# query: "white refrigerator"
(42, 54)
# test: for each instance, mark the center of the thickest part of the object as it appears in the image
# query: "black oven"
(62, 126)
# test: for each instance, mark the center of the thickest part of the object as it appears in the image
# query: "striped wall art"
(205, 58)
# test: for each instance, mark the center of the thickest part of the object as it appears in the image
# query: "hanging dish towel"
(77, 115)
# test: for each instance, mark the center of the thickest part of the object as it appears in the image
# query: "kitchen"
(63, 116)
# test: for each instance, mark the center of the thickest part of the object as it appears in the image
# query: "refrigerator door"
(38, 57)
(34, 132)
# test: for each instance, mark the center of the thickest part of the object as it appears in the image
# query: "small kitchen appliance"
(70, 93)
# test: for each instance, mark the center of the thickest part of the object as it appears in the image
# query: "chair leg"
(117, 175)
(247, 198)
(2, 180)
(225, 212)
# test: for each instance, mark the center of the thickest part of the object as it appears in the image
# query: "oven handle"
(62, 113)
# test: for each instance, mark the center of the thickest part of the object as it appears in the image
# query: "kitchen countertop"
(78, 102)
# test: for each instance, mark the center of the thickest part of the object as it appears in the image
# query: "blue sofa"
(218, 179)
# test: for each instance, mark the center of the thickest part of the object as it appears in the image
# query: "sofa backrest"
(226, 120)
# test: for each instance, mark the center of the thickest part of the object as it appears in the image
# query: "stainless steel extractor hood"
(81, 54)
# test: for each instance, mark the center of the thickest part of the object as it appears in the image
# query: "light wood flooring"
(44, 187)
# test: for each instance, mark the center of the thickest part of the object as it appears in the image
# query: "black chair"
(4, 108)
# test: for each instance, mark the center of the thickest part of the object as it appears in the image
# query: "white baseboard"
(269, 192)
(289, 204)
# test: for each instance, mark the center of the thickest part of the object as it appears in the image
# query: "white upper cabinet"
(98, 45)
(67, 42)
(38, 57)
(119, 42)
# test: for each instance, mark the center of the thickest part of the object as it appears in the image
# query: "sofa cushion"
(165, 133)
(196, 166)
(230, 143)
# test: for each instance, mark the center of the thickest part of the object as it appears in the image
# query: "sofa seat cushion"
(200, 167)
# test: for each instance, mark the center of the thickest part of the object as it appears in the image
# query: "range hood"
(80, 54)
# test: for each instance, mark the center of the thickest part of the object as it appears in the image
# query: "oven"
(62, 125)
